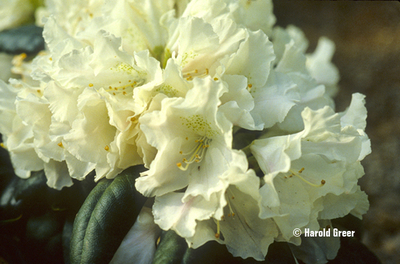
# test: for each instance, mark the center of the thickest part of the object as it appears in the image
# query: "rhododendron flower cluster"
(233, 121)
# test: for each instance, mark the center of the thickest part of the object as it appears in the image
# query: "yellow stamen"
(18, 59)
(195, 73)
(107, 148)
(121, 88)
(231, 210)
(196, 154)
(218, 234)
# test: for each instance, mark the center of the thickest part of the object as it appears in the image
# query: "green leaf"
(210, 253)
(31, 187)
(6, 168)
(214, 253)
(105, 218)
(43, 239)
(10, 208)
(171, 248)
(279, 252)
(66, 238)
(25, 39)
(82, 220)
(11, 250)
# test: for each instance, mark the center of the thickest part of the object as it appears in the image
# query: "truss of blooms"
(234, 122)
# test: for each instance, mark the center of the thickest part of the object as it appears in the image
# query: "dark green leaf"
(70, 198)
(171, 249)
(31, 186)
(66, 237)
(210, 253)
(279, 252)
(43, 239)
(105, 218)
(25, 39)
(6, 169)
(10, 250)
(10, 208)
(82, 220)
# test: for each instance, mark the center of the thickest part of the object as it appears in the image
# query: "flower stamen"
(196, 154)
(122, 89)
(231, 213)
(229, 197)
(304, 180)
(218, 234)
(195, 73)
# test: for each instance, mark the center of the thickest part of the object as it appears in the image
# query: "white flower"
(5, 66)
(28, 140)
(247, 72)
(308, 174)
(175, 85)
(17, 136)
(240, 228)
(321, 68)
(136, 22)
(289, 46)
(193, 141)
(139, 244)
(94, 92)
(14, 13)
(255, 15)
(73, 16)
(239, 57)
(229, 217)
